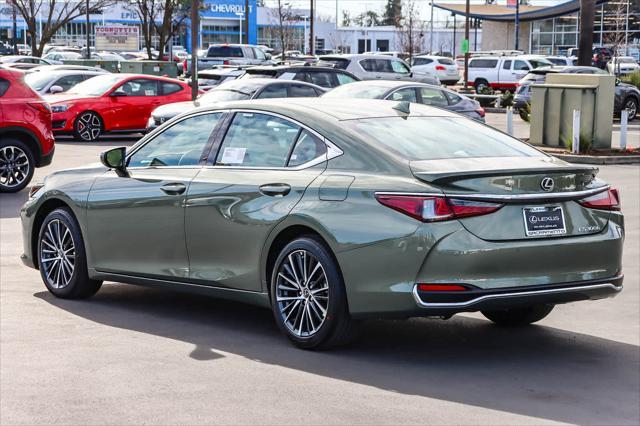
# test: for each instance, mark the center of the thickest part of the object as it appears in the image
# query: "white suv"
(378, 67)
(442, 67)
(502, 72)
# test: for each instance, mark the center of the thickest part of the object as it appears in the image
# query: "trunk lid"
(519, 186)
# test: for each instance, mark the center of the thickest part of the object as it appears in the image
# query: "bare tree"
(340, 40)
(615, 35)
(284, 18)
(53, 15)
(161, 19)
(410, 32)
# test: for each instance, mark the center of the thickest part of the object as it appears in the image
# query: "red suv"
(26, 140)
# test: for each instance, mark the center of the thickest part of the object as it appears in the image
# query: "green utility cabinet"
(553, 103)
(165, 68)
(111, 66)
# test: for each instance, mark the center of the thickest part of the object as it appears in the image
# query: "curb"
(495, 110)
(594, 159)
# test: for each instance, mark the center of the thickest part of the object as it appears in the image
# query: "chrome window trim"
(485, 297)
(503, 197)
(154, 134)
(333, 150)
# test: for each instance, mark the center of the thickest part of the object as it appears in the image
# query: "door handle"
(173, 188)
(275, 189)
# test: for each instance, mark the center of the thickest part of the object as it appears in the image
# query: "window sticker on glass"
(148, 93)
(233, 155)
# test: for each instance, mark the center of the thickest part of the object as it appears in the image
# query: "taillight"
(185, 65)
(440, 68)
(40, 106)
(436, 208)
(225, 62)
(606, 200)
(481, 112)
(441, 287)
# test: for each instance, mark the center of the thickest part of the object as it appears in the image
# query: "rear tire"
(16, 165)
(308, 296)
(519, 316)
(480, 84)
(631, 104)
(62, 258)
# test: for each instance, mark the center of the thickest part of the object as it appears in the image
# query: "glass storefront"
(611, 28)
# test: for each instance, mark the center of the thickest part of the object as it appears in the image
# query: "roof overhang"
(502, 13)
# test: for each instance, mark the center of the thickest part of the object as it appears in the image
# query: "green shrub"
(633, 78)
(506, 100)
(486, 102)
(585, 143)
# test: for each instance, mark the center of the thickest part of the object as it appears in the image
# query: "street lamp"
(240, 16)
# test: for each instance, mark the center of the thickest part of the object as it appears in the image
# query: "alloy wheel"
(14, 166)
(57, 254)
(632, 108)
(302, 293)
(89, 126)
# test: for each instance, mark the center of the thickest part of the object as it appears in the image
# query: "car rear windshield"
(446, 61)
(537, 63)
(534, 77)
(225, 52)
(433, 138)
(222, 95)
(357, 91)
(339, 63)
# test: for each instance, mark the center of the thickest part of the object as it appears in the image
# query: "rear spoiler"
(453, 175)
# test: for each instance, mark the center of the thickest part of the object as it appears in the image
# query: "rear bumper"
(452, 302)
(47, 158)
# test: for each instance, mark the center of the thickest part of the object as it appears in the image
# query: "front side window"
(179, 145)
(433, 97)
(344, 78)
(273, 91)
(453, 97)
(368, 65)
(259, 54)
(407, 94)
(301, 91)
(257, 140)
(4, 86)
(67, 82)
(506, 65)
(322, 79)
(521, 66)
(399, 67)
(170, 88)
(422, 61)
(138, 87)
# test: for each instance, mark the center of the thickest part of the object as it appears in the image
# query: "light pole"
(240, 16)
(305, 46)
(431, 32)
(517, 25)
(15, 27)
(88, 23)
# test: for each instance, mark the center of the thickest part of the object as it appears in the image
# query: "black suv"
(326, 77)
(601, 56)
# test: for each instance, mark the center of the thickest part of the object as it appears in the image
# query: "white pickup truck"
(502, 72)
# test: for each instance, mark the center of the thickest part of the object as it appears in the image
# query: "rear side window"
(224, 52)
(453, 98)
(483, 63)
(432, 138)
(257, 140)
(307, 148)
(4, 86)
(322, 79)
(169, 88)
(433, 97)
(368, 65)
(338, 63)
(408, 95)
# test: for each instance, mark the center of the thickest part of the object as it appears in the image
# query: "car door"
(136, 222)
(262, 167)
(519, 70)
(132, 103)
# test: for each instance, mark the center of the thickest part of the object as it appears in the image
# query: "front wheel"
(308, 297)
(87, 127)
(16, 165)
(519, 316)
(62, 259)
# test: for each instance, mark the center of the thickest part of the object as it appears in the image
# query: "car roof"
(300, 67)
(392, 84)
(310, 110)
(256, 83)
(359, 56)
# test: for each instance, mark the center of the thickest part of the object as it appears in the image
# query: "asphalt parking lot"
(136, 355)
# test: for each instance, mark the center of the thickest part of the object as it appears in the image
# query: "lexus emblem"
(547, 184)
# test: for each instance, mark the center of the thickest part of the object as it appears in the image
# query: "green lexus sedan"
(332, 211)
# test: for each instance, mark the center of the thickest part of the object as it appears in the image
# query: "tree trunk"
(585, 43)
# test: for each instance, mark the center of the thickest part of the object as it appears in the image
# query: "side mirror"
(56, 89)
(267, 56)
(618, 81)
(115, 159)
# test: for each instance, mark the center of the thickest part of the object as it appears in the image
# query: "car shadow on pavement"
(536, 371)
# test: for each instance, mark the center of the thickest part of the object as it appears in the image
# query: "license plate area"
(544, 221)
